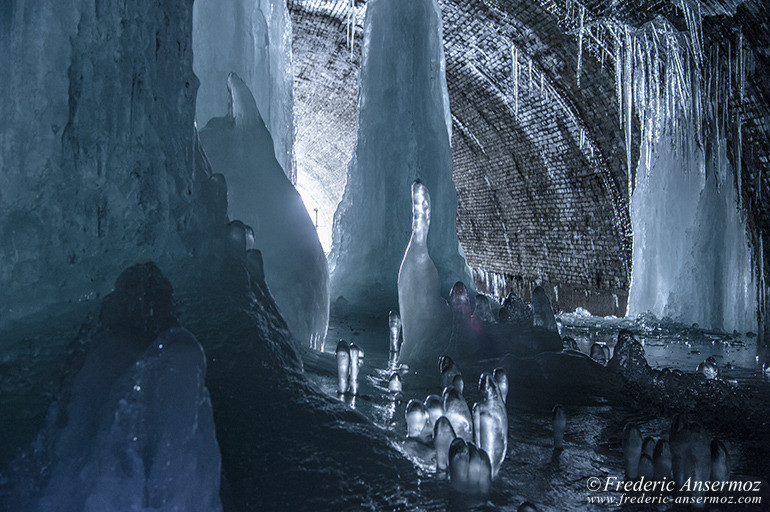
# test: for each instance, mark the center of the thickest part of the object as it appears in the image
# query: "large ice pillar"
(240, 147)
(98, 159)
(403, 133)
(251, 38)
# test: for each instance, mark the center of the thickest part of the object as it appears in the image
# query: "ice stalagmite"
(425, 316)
(403, 133)
(253, 39)
(240, 147)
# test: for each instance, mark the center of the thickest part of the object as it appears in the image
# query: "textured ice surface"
(240, 147)
(135, 429)
(140, 439)
(425, 316)
(403, 134)
(98, 167)
(251, 38)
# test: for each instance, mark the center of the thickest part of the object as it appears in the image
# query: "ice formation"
(240, 147)
(403, 133)
(425, 316)
(251, 38)
(692, 260)
(559, 423)
(99, 167)
(138, 429)
(490, 422)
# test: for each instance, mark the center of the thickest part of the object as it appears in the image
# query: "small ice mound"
(469, 468)
(559, 422)
(490, 422)
(139, 431)
(542, 312)
(709, 368)
(483, 309)
(449, 370)
(632, 450)
(516, 311)
(457, 412)
(443, 436)
(418, 424)
(598, 354)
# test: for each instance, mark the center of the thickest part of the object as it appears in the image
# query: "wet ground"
(533, 471)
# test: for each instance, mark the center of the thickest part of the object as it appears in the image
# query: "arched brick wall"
(542, 181)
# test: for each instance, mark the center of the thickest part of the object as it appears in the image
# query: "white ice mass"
(404, 128)
(240, 147)
(251, 38)
(425, 316)
(692, 261)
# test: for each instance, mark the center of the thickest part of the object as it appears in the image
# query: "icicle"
(529, 72)
(580, 43)
(628, 106)
(515, 77)
(619, 80)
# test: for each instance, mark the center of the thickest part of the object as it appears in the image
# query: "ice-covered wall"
(251, 38)
(98, 152)
(404, 130)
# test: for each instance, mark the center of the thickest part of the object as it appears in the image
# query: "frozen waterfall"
(404, 130)
(692, 259)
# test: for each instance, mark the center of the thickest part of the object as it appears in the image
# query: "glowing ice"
(425, 316)
(240, 147)
(404, 128)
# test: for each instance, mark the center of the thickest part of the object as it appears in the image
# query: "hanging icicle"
(580, 43)
(515, 77)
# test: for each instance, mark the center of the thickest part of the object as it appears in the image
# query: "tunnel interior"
(384, 255)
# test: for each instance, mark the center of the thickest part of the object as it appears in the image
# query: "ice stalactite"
(404, 133)
(692, 260)
(251, 38)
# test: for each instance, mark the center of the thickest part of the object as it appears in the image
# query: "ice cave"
(384, 255)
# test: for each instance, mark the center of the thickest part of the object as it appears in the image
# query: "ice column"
(251, 38)
(404, 130)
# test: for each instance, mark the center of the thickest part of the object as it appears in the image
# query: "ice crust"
(403, 133)
(251, 38)
(99, 167)
(240, 147)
